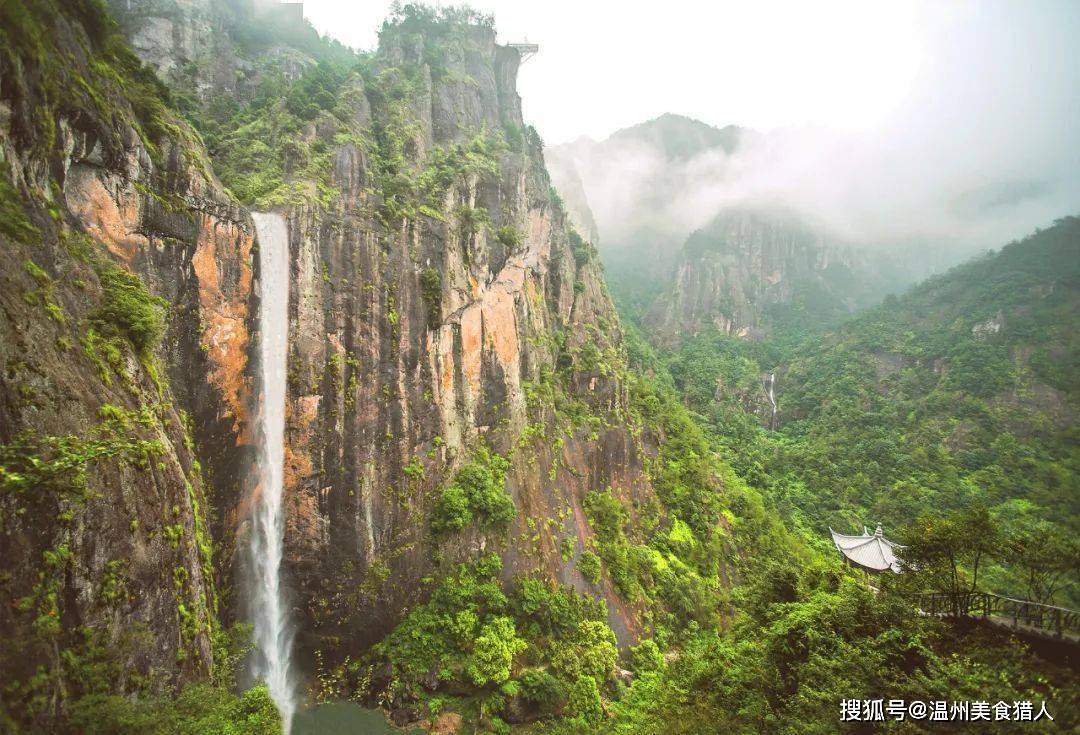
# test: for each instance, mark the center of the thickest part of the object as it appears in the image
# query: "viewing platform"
(1025, 616)
(525, 50)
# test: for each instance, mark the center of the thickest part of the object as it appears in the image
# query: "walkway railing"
(1050, 619)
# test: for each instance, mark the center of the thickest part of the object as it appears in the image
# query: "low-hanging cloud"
(985, 148)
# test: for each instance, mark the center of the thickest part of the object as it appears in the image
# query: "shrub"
(606, 514)
(35, 464)
(646, 656)
(589, 566)
(592, 652)
(581, 247)
(584, 700)
(494, 652)
(541, 689)
(452, 511)
(199, 709)
(566, 548)
(462, 631)
(546, 610)
(478, 493)
(128, 310)
(509, 236)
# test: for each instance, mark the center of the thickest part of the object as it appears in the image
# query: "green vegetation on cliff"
(947, 414)
(102, 506)
(476, 495)
(54, 75)
(807, 641)
(528, 648)
(128, 309)
(261, 148)
(959, 397)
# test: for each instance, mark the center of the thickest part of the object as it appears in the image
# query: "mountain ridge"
(505, 510)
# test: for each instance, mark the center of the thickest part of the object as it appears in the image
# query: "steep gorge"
(442, 316)
(277, 315)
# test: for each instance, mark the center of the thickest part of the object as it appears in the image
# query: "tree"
(478, 493)
(494, 652)
(1044, 555)
(584, 700)
(945, 552)
(592, 652)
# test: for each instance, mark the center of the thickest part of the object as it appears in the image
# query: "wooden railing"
(1051, 619)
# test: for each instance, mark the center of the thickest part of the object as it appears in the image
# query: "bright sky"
(607, 65)
(924, 100)
(849, 65)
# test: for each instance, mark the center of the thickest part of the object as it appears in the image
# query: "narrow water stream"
(771, 392)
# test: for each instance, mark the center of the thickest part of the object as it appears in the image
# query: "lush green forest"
(961, 393)
(946, 414)
(861, 442)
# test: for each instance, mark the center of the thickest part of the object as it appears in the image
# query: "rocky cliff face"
(442, 312)
(179, 40)
(197, 47)
(750, 269)
(416, 340)
(572, 191)
(439, 302)
(124, 401)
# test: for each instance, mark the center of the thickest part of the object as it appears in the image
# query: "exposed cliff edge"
(124, 400)
(457, 382)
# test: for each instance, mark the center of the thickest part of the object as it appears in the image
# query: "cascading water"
(273, 635)
(772, 400)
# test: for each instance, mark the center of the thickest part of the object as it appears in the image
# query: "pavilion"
(871, 551)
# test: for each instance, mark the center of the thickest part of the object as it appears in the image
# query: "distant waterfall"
(770, 391)
(273, 633)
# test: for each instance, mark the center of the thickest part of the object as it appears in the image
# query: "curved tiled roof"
(871, 550)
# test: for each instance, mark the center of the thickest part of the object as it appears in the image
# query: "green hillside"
(960, 394)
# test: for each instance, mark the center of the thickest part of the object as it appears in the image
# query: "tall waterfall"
(273, 633)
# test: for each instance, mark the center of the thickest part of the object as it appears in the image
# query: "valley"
(335, 400)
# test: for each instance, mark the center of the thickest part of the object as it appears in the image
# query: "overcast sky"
(764, 64)
(958, 117)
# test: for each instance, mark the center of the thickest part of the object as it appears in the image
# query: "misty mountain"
(680, 138)
(659, 191)
(631, 179)
(758, 272)
(632, 185)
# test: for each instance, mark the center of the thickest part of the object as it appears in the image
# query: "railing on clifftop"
(1058, 622)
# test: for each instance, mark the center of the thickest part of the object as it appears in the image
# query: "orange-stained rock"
(302, 414)
(447, 723)
(501, 328)
(472, 326)
(111, 216)
(224, 312)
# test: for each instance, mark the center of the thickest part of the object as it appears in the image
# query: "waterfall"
(273, 634)
(772, 400)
